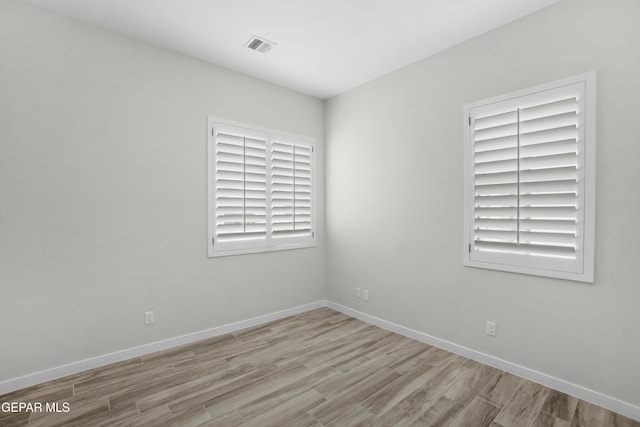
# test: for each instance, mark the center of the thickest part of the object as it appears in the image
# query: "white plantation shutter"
(526, 188)
(260, 190)
(291, 190)
(240, 186)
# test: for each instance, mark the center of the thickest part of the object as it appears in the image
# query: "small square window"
(261, 190)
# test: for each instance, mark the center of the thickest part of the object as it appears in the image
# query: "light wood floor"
(320, 368)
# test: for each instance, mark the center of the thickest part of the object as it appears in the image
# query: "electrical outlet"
(357, 292)
(491, 328)
(365, 295)
(149, 317)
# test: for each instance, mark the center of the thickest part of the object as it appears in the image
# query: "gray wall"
(103, 200)
(395, 199)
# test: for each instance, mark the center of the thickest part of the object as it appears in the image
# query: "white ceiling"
(324, 47)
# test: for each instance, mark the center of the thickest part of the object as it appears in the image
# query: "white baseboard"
(118, 356)
(580, 392)
(613, 404)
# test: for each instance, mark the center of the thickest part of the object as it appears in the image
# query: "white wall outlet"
(491, 328)
(357, 292)
(149, 317)
(365, 295)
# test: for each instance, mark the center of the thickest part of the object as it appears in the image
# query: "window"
(530, 180)
(261, 190)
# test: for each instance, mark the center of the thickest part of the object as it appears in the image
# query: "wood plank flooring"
(320, 368)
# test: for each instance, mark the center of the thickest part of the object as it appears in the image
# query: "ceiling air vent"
(259, 44)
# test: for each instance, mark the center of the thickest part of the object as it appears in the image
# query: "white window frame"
(269, 243)
(580, 269)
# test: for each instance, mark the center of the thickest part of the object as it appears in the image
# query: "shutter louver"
(526, 180)
(291, 190)
(240, 186)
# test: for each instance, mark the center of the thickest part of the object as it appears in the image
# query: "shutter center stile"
(244, 184)
(518, 176)
(294, 187)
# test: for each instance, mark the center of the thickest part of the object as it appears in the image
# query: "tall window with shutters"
(261, 189)
(530, 180)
